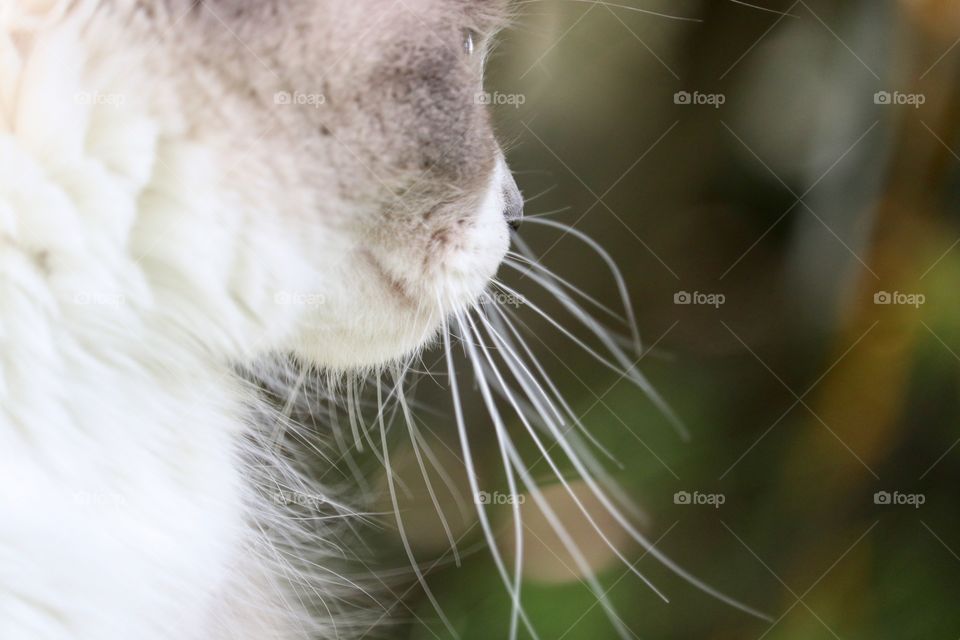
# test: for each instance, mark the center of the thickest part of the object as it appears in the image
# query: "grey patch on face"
(426, 101)
(399, 116)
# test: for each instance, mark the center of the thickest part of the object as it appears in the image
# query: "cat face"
(409, 199)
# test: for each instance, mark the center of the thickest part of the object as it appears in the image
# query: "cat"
(188, 187)
(205, 207)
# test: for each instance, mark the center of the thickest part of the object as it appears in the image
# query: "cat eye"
(468, 42)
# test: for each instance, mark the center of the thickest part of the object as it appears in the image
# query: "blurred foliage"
(799, 199)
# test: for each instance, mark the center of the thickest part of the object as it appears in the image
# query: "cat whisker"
(346, 454)
(424, 445)
(658, 14)
(502, 439)
(765, 9)
(515, 461)
(502, 320)
(592, 463)
(547, 214)
(584, 473)
(352, 409)
(520, 373)
(529, 268)
(624, 7)
(400, 527)
(626, 368)
(608, 260)
(415, 444)
(472, 472)
(527, 200)
(284, 417)
(441, 470)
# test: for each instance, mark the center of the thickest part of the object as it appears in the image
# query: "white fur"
(141, 258)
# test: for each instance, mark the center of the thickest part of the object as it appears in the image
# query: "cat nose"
(512, 202)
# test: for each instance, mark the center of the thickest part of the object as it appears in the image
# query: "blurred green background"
(789, 186)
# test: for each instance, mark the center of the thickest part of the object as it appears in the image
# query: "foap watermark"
(98, 499)
(898, 297)
(699, 298)
(696, 98)
(898, 98)
(895, 498)
(98, 299)
(95, 98)
(507, 299)
(298, 498)
(699, 499)
(495, 98)
(497, 497)
(299, 299)
(299, 99)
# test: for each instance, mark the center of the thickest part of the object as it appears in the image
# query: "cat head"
(377, 143)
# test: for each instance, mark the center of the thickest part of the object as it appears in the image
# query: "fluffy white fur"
(142, 258)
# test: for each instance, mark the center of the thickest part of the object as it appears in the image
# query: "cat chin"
(385, 326)
(353, 353)
(397, 299)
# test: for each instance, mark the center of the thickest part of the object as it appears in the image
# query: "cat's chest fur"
(124, 509)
